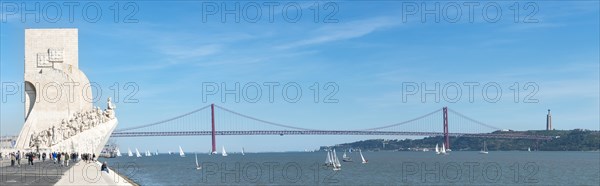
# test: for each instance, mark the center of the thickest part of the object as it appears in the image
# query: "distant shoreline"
(577, 140)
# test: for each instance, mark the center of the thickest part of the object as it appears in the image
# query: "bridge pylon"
(446, 137)
(214, 132)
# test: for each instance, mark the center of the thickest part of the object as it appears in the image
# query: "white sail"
(328, 161)
(529, 149)
(362, 157)
(484, 150)
(336, 162)
(181, 152)
(129, 152)
(437, 149)
(137, 153)
(344, 156)
(118, 152)
(223, 151)
(331, 157)
(197, 164)
(443, 150)
(243, 151)
(156, 153)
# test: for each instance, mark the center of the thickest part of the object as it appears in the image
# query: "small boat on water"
(129, 152)
(346, 158)
(328, 160)
(484, 150)
(137, 153)
(181, 152)
(443, 149)
(118, 152)
(336, 162)
(223, 153)
(528, 149)
(437, 149)
(362, 157)
(198, 167)
(243, 151)
(170, 152)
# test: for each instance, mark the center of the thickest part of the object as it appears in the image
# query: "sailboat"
(129, 152)
(528, 149)
(118, 152)
(223, 151)
(181, 152)
(336, 162)
(362, 157)
(328, 161)
(443, 150)
(148, 153)
(346, 158)
(437, 149)
(198, 167)
(484, 150)
(137, 153)
(243, 151)
(170, 152)
(156, 153)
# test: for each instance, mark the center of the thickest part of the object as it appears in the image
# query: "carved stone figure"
(32, 139)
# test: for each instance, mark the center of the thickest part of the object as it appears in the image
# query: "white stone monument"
(59, 113)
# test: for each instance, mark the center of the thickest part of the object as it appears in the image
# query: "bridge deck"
(321, 132)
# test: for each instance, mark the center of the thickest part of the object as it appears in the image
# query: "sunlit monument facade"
(59, 110)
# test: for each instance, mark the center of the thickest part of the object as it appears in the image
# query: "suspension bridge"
(203, 122)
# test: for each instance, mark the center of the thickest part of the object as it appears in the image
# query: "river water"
(414, 168)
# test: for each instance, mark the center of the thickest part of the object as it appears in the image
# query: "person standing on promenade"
(30, 158)
(58, 158)
(43, 157)
(18, 158)
(12, 159)
(67, 159)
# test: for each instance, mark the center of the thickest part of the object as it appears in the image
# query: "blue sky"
(372, 49)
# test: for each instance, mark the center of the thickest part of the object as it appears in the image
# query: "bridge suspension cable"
(163, 121)
(473, 120)
(405, 122)
(263, 121)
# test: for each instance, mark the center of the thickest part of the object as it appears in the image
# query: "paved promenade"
(40, 173)
(89, 174)
(48, 173)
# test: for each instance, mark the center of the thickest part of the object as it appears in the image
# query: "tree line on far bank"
(563, 140)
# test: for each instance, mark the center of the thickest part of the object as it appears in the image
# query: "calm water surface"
(414, 168)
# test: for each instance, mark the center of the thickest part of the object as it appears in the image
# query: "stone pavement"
(40, 173)
(89, 174)
(48, 173)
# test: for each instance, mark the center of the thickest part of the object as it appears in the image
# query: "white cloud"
(342, 31)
